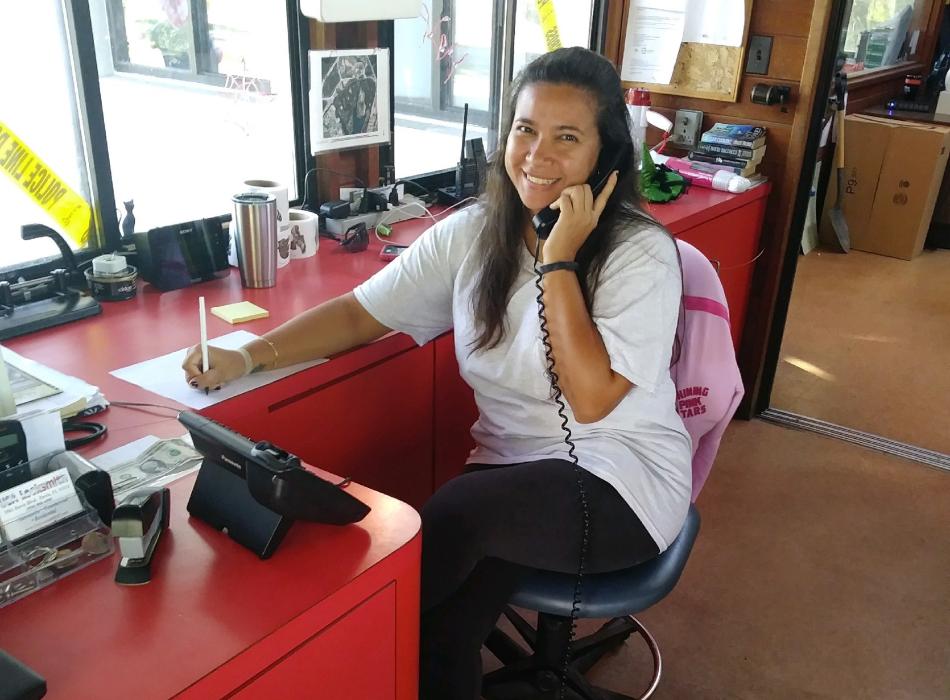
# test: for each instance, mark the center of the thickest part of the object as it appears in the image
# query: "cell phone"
(610, 159)
(391, 251)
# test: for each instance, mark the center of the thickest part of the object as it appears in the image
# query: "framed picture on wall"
(349, 98)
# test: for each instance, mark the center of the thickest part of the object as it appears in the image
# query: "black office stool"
(618, 595)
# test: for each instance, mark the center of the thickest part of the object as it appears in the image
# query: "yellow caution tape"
(44, 187)
(552, 36)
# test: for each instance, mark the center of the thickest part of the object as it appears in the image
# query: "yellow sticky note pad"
(240, 312)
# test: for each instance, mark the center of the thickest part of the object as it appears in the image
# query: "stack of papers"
(40, 389)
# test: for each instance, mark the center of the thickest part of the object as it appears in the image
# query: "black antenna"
(464, 128)
(460, 168)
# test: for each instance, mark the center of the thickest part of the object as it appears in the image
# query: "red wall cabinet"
(455, 412)
(373, 425)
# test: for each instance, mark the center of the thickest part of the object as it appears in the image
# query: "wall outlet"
(687, 126)
(759, 55)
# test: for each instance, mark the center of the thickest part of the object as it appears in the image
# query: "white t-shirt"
(641, 448)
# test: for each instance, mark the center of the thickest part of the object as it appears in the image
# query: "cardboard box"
(893, 172)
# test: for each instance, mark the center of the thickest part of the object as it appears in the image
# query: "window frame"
(199, 48)
(105, 235)
(926, 25)
(504, 17)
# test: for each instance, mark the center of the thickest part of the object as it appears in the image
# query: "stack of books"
(738, 148)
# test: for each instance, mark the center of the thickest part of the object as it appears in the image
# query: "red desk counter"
(335, 612)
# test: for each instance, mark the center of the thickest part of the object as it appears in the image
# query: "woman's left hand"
(580, 212)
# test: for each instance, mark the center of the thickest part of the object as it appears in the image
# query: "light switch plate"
(687, 126)
(760, 53)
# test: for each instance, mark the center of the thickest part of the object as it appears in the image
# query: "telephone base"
(221, 498)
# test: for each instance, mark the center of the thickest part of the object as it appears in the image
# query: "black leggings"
(483, 532)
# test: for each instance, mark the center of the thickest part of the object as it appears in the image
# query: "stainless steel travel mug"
(255, 238)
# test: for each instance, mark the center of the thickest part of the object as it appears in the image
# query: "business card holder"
(41, 559)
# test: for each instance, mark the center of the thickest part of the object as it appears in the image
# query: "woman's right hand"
(223, 366)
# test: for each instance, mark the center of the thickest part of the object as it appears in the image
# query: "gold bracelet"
(272, 347)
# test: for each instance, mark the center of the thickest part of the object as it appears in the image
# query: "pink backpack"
(708, 383)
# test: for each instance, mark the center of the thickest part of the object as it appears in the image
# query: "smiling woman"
(550, 149)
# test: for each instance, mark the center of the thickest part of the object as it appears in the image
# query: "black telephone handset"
(610, 159)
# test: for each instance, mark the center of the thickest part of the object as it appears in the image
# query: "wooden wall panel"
(786, 62)
(798, 30)
(781, 17)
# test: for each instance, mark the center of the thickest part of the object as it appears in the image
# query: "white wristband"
(248, 362)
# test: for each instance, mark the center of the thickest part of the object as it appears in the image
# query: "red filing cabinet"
(366, 415)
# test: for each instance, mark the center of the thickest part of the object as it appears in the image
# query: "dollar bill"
(164, 461)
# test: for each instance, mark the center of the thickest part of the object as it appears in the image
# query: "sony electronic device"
(256, 490)
(610, 159)
(172, 257)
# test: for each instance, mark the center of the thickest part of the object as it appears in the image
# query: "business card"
(38, 503)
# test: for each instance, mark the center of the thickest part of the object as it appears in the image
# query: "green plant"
(168, 39)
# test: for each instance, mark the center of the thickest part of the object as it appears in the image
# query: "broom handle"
(839, 147)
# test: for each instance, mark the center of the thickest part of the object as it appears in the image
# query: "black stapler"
(138, 522)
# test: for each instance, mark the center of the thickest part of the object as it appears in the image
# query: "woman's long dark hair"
(502, 237)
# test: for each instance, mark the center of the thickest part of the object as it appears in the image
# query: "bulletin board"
(703, 71)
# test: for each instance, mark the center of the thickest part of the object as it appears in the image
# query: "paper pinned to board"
(163, 375)
(715, 22)
(656, 28)
(654, 34)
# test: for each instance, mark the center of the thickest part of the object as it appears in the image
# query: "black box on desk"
(172, 257)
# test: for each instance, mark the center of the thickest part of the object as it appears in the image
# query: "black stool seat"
(615, 593)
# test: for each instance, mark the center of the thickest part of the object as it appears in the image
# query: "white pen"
(203, 325)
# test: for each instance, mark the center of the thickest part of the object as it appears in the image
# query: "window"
(881, 33)
(180, 147)
(45, 122)
(189, 98)
(445, 59)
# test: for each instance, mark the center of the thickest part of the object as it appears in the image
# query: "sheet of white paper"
(654, 33)
(914, 38)
(715, 22)
(43, 433)
(163, 375)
